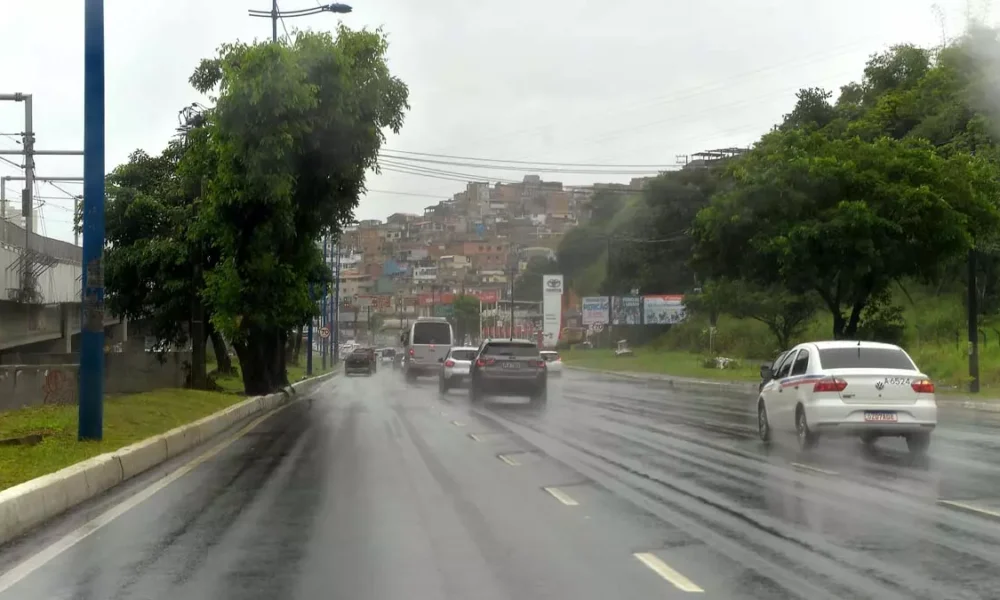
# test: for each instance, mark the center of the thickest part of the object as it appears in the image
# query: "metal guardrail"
(12, 235)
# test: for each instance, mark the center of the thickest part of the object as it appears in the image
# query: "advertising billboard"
(552, 291)
(663, 309)
(626, 310)
(594, 310)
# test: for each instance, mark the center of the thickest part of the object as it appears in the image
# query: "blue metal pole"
(91, 415)
(326, 269)
(309, 340)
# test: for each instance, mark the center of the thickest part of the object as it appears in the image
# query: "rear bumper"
(835, 417)
(358, 369)
(510, 386)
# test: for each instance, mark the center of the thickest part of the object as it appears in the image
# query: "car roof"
(511, 341)
(829, 344)
(469, 348)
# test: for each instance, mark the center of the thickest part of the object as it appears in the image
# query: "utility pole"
(323, 322)
(336, 307)
(973, 315)
(309, 337)
(91, 415)
(274, 21)
(611, 298)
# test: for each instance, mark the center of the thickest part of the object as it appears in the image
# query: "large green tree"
(528, 286)
(845, 217)
(294, 129)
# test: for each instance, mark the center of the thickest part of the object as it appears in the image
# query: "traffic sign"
(324, 332)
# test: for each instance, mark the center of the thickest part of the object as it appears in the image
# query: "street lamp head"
(336, 7)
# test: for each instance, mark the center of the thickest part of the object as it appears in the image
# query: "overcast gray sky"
(626, 82)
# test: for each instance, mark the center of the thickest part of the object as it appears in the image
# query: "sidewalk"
(966, 401)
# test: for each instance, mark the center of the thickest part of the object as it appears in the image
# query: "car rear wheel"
(918, 443)
(763, 425)
(807, 439)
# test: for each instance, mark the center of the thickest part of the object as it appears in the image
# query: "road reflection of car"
(553, 362)
(360, 361)
(455, 370)
(509, 368)
(867, 389)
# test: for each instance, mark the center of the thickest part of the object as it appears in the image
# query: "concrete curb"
(31, 503)
(742, 386)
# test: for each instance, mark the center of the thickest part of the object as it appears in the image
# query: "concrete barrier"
(29, 504)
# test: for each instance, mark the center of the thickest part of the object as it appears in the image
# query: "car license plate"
(880, 416)
(512, 365)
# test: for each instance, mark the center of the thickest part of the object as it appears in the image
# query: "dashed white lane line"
(475, 437)
(507, 459)
(667, 572)
(813, 469)
(561, 496)
(458, 424)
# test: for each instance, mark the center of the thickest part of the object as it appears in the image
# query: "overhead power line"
(526, 162)
(533, 168)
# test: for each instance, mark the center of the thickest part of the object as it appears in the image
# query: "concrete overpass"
(48, 321)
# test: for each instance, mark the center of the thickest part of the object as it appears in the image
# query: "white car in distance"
(867, 389)
(553, 362)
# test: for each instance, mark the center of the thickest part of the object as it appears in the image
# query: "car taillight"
(924, 386)
(541, 364)
(482, 362)
(830, 384)
(449, 363)
(411, 351)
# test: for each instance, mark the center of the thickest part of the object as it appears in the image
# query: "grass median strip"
(678, 364)
(127, 419)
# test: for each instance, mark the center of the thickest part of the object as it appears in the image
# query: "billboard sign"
(594, 310)
(626, 310)
(663, 309)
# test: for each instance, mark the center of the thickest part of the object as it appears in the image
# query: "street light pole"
(91, 409)
(274, 14)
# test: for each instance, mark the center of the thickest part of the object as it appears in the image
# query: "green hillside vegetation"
(856, 217)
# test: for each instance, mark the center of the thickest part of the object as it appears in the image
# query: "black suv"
(509, 368)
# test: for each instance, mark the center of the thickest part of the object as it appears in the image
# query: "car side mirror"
(765, 372)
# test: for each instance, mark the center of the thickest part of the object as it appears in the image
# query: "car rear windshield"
(389, 353)
(550, 356)
(431, 333)
(507, 349)
(463, 354)
(865, 358)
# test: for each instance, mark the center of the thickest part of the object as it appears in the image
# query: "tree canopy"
(280, 159)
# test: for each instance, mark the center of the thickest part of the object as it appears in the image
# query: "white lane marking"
(458, 424)
(561, 496)
(475, 437)
(35, 562)
(969, 507)
(510, 461)
(665, 571)
(814, 469)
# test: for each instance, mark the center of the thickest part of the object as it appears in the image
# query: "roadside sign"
(324, 332)
(597, 327)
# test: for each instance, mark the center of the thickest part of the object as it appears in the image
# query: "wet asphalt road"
(617, 489)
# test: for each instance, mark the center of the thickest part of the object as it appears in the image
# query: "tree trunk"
(262, 357)
(225, 364)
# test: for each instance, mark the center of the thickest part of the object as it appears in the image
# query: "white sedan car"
(867, 389)
(553, 362)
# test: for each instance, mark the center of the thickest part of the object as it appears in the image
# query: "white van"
(426, 343)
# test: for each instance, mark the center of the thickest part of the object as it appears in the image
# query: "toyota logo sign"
(554, 283)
